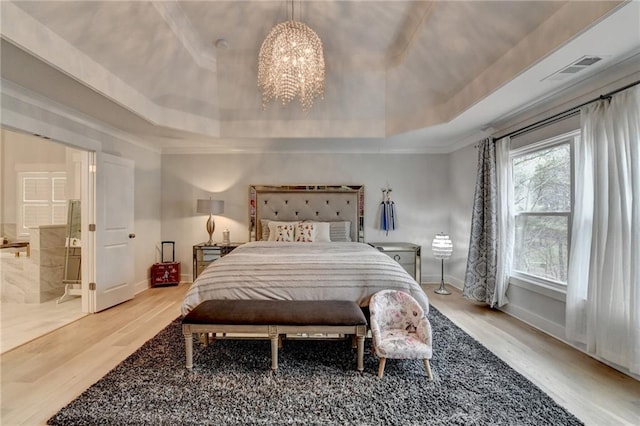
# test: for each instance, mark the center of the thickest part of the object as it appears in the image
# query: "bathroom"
(39, 262)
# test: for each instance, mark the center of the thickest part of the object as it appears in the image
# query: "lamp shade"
(442, 246)
(210, 206)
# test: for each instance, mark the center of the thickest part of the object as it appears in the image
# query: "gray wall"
(462, 175)
(420, 183)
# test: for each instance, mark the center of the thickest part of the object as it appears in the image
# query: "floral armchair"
(400, 329)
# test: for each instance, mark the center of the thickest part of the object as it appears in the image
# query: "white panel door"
(114, 261)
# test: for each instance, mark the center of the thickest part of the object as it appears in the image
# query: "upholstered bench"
(275, 317)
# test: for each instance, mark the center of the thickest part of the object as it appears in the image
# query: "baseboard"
(557, 332)
(140, 286)
(455, 282)
(550, 328)
(534, 320)
(435, 280)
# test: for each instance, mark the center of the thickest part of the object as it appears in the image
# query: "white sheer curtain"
(506, 221)
(603, 292)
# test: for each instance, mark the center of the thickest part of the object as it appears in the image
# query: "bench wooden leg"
(188, 345)
(273, 335)
(360, 353)
(361, 332)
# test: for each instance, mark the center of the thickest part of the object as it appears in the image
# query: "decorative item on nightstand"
(442, 248)
(210, 207)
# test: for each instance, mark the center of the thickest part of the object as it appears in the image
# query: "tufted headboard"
(322, 203)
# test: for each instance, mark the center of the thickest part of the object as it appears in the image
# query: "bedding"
(302, 271)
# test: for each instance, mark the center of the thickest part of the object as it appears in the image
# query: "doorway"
(41, 179)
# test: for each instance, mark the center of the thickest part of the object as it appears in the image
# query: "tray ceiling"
(401, 75)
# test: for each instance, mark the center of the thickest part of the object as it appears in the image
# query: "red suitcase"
(166, 273)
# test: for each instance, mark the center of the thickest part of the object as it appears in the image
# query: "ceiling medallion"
(290, 64)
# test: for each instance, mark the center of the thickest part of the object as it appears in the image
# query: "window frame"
(523, 279)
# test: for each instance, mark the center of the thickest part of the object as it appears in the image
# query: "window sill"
(538, 287)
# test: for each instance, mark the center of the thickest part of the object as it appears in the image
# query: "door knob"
(132, 235)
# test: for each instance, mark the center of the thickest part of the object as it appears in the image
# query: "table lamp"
(210, 207)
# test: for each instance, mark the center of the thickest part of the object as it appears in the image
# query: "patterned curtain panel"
(480, 277)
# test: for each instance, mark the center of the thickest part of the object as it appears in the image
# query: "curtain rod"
(564, 114)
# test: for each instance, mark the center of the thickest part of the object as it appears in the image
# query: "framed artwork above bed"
(340, 205)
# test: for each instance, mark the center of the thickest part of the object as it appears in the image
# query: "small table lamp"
(210, 207)
(442, 248)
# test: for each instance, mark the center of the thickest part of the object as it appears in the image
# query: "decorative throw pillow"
(264, 229)
(281, 231)
(305, 232)
(340, 231)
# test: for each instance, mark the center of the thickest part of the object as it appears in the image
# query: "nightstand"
(406, 254)
(204, 254)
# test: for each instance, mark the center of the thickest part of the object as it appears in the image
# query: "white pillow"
(281, 231)
(340, 231)
(322, 231)
(305, 232)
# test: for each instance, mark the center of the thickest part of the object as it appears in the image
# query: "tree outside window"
(543, 205)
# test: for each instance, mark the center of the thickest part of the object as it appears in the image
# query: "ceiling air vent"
(573, 68)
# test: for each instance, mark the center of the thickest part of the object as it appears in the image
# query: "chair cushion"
(395, 309)
(399, 344)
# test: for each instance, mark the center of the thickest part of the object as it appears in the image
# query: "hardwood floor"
(43, 375)
(592, 391)
(23, 322)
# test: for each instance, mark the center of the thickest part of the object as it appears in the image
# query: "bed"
(335, 265)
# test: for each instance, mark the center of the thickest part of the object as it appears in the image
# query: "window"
(42, 200)
(542, 188)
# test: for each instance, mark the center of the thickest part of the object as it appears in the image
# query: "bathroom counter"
(17, 245)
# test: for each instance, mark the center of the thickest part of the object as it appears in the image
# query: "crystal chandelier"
(290, 64)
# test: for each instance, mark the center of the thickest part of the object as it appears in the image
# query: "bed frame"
(322, 203)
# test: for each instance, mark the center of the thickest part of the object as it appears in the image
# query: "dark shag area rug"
(317, 383)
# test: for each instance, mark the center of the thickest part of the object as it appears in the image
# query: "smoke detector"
(221, 43)
(574, 68)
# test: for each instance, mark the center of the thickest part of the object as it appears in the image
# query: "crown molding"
(32, 99)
